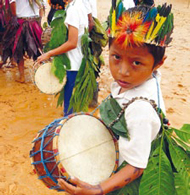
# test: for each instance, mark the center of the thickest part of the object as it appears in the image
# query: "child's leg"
(71, 77)
(21, 71)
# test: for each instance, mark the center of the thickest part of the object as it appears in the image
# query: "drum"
(46, 81)
(79, 145)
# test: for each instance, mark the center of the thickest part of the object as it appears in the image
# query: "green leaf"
(181, 162)
(59, 13)
(157, 178)
(130, 189)
(109, 111)
(61, 97)
(184, 133)
(58, 67)
(179, 185)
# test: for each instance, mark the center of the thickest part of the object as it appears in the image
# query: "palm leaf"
(181, 161)
(158, 176)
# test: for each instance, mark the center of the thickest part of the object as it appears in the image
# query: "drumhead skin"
(46, 81)
(87, 149)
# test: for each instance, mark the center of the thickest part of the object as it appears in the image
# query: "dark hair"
(156, 51)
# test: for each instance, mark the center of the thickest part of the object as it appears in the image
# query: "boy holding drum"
(138, 38)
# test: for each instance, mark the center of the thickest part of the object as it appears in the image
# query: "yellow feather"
(113, 27)
(161, 21)
(149, 31)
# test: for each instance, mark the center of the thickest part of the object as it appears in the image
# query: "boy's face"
(130, 67)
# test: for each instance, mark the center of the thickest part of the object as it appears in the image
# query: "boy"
(137, 47)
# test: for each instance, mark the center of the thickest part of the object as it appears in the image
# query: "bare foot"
(20, 80)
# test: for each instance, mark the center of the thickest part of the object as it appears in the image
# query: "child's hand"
(43, 57)
(81, 187)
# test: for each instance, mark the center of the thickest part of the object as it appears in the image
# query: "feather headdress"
(141, 24)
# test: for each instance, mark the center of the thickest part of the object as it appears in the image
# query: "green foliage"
(179, 184)
(98, 34)
(61, 97)
(184, 133)
(59, 35)
(181, 162)
(85, 84)
(58, 68)
(60, 63)
(168, 169)
(158, 176)
(109, 111)
(130, 189)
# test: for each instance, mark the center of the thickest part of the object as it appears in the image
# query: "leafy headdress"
(141, 24)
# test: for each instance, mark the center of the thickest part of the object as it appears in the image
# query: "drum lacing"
(44, 161)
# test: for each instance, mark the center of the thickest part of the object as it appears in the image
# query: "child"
(55, 5)
(137, 50)
(25, 32)
(76, 21)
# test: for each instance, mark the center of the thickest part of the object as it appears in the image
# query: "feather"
(113, 26)
(151, 14)
(160, 21)
(149, 31)
(120, 8)
(161, 18)
(113, 17)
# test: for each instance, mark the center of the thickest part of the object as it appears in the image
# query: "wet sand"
(24, 110)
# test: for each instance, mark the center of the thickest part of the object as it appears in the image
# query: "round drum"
(46, 81)
(80, 146)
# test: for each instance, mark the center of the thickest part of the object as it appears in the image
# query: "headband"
(141, 24)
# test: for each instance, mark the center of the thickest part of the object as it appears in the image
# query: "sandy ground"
(24, 110)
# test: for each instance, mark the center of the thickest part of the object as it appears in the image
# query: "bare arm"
(118, 180)
(70, 44)
(13, 8)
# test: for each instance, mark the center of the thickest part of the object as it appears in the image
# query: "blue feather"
(150, 15)
(119, 9)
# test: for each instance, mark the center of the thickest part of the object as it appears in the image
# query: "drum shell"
(39, 168)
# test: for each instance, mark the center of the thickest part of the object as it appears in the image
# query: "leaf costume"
(89, 67)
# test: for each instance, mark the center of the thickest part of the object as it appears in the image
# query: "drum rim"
(55, 144)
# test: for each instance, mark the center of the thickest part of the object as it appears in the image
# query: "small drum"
(79, 145)
(46, 81)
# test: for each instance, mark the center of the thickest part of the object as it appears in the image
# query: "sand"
(24, 110)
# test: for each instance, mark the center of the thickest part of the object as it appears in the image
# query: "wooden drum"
(79, 145)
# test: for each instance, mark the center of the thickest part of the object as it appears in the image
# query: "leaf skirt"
(21, 40)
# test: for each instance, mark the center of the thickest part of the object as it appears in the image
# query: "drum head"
(46, 81)
(86, 149)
